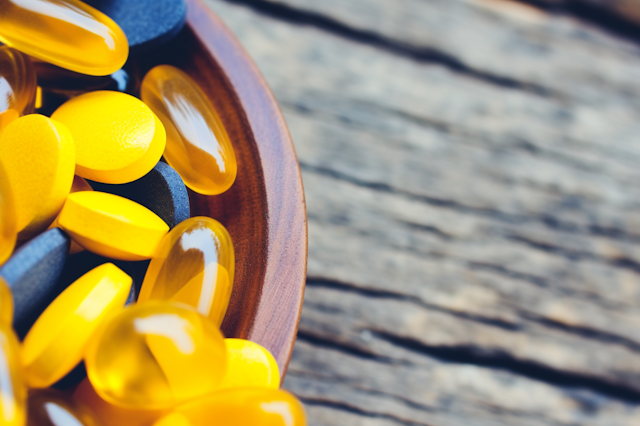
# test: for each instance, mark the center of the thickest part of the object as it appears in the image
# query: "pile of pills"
(111, 295)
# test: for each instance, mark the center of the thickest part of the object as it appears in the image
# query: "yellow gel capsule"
(118, 138)
(79, 184)
(249, 365)
(113, 415)
(246, 406)
(8, 217)
(54, 408)
(112, 226)
(194, 264)
(67, 33)
(13, 393)
(17, 85)
(198, 146)
(38, 155)
(156, 355)
(6, 303)
(57, 341)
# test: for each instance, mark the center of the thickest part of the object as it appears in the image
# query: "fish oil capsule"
(8, 217)
(112, 226)
(57, 341)
(6, 303)
(156, 355)
(38, 154)
(249, 365)
(67, 33)
(14, 393)
(130, 137)
(246, 406)
(194, 264)
(17, 85)
(48, 407)
(198, 146)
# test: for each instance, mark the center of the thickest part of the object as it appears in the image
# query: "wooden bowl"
(264, 210)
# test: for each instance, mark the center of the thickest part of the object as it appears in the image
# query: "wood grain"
(264, 210)
(471, 179)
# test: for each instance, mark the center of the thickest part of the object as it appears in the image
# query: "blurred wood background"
(472, 173)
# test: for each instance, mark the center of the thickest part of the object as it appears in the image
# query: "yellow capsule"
(245, 406)
(8, 217)
(79, 184)
(6, 303)
(130, 137)
(112, 226)
(113, 415)
(48, 407)
(194, 264)
(38, 155)
(57, 341)
(13, 393)
(67, 33)
(156, 355)
(17, 85)
(249, 365)
(198, 146)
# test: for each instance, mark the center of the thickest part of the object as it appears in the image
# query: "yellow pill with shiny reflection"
(112, 226)
(198, 146)
(118, 138)
(13, 391)
(17, 85)
(49, 407)
(246, 407)
(194, 264)
(57, 341)
(67, 33)
(8, 217)
(249, 365)
(156, 355)
(38, 154)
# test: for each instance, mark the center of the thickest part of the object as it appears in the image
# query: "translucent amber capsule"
(246, 406)
(54, 408)
(112, 226)
(8, 217)
(198, 146)
(130, 137)
(194, 264)
(67, 33)
(17, 85)
(6, 303)
(249, 365)
(38, 154)
(156, 355)
(57, 341)
(13, 393)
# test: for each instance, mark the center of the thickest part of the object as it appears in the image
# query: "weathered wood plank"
(474, 246)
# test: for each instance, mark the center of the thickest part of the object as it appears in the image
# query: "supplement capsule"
(6, 303)
(8, 217)
(17, 85)
(57, 341)
(13, 391)
(38, 154)
(156, 355)
(112, 226)
(130, 137)
(249, 365)
(79, 184)
(48, 407)
(67, 33)
(194, 264)
(246, 406)
(198, 146)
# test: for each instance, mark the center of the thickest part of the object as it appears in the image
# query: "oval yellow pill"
(6, 303)
(67, 33)
(8, 218)
(118, 138)
(38, 155)
(249, 365)
(79, 184)
(14, 393)
(17, 85)
(112, 226)
(56, 342)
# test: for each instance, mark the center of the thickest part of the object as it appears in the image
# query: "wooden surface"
(264, 210)
(471, 170)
